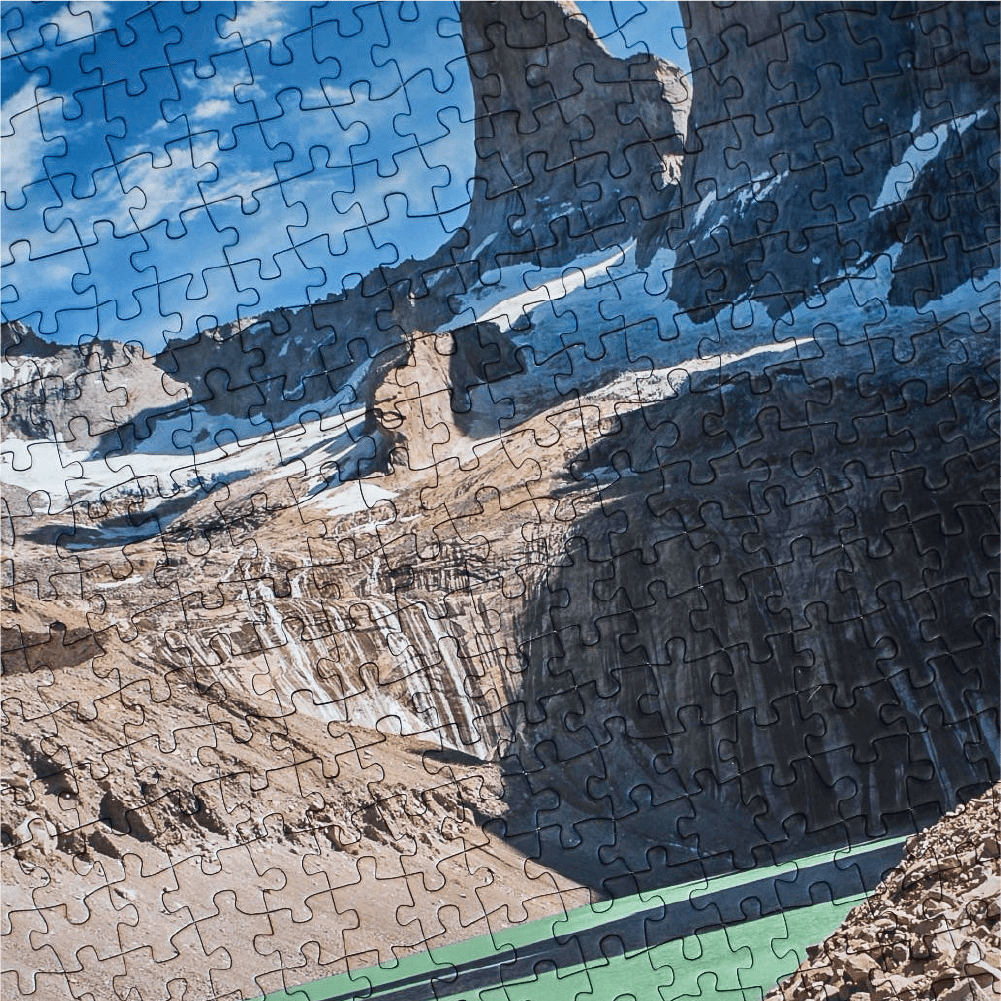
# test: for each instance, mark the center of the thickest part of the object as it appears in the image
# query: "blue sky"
(169, 167)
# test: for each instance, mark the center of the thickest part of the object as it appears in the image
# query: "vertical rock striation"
(776, 634)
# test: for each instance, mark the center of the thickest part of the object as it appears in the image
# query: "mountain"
(779, 622)
(262, 374)
(646, 530)
(866, 133)
(556, 175)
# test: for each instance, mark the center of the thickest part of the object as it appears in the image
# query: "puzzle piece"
(499, 499)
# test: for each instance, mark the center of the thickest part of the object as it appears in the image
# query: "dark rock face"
(280, 362)
(778, 632)
(809, 123)
(560, 171)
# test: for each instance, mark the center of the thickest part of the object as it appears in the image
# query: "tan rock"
(858, 968)
(933, 922)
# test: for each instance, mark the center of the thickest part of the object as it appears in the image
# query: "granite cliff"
(821, 138)
(789, 638)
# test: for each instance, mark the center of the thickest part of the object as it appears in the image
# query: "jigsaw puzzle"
(500, 501)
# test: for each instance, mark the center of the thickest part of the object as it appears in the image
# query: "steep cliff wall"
(779, 630)
(821, 137)
(570, 141)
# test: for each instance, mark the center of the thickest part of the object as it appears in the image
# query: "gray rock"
(803, 120)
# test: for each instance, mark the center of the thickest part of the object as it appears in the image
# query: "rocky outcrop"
(931, 929)
(78, 393)
(321, 357)
(558, 171)
(576, 150)
(822, 137)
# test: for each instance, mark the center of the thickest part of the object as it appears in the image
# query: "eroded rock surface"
(789, 632)
(557, 172)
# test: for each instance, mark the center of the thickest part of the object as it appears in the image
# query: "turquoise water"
(740, 962)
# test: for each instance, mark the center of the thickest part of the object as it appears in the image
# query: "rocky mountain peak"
(101, 384)
(559, 169)
(784, 190)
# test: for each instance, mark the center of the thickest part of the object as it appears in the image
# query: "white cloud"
(73, 21)
(23, 148)
(330, 94)
(214, 99)
(57, 272)
(221, 84)
(167, 191)
(100, 13)
(209, 108)
(313, 95)
(15, 105)
(258, 19)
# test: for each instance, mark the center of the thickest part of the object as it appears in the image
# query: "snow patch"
(704, 207)
(758, 192)
(69, 476)
(643, 389)
(483, 244)
(356, 495)
(503, 296)
(900, 178)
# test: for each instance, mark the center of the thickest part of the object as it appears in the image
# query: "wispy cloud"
(258, 20)
(210, 108)
(195, 176)
(23, 143)
(221, 100)
(78, 20)
(222, 85)
(73, 21)
(19, 102)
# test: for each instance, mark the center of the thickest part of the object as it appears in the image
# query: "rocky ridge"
(550, 182)
(931, 929)
(784, 189)
(79, 394)
(556, 175)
